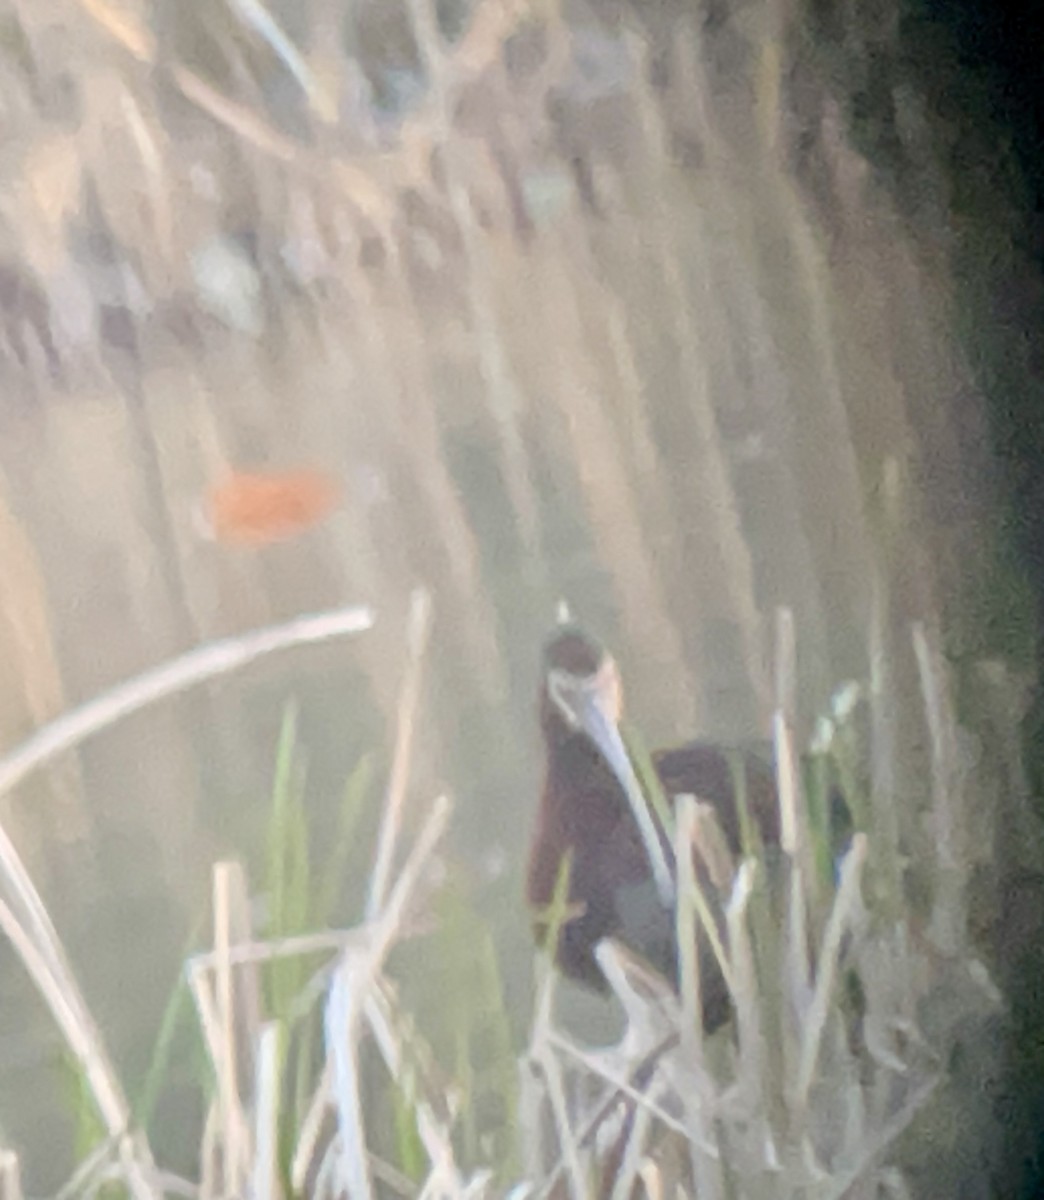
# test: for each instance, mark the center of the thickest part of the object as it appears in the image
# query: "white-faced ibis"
(621, 873)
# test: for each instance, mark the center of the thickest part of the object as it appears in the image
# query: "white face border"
(572, 694)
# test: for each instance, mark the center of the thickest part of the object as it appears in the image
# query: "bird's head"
(582, 697)
(581, 686)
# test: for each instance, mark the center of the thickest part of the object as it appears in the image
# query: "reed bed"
(825, 1066)
(807, 1092)
(400, 236)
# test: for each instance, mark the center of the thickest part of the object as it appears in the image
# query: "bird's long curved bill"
(603, 731)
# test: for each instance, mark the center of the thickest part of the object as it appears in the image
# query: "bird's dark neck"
(573, 757)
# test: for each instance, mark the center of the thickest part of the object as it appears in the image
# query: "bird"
(593, 813)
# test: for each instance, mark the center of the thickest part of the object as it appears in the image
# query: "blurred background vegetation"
(679, 311)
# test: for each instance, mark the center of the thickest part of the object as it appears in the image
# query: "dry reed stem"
(633, 1155)
(177, 675)
(688, 1082)
(418, 633)
(311, 1129)
(45, 960)
(652, 1181)
(948, 916)
(325, 1182)
(210, 1155)
(236, 1149)
(786, 768)
(360, 940)
(475, 51)
(134, 36)
(400, 1184)
(260, 20)
(342, 1017)
(235, 117)
(206, 1010)
(264, 1174)
(87, 1173)
(64, 1008)
(796, 964)
(688, 958)
(244, 952)
(748, 1024)
(10, 1176)
(621, 1085)
(697, 897)
(883, 740)
(434, 1128)
(793, 834)
(390, 920)
(353, 982)
(338, 942)
(175, 1185)
(879, 1143)
(826, 966)
(542, 1055)
(30, 916)
(246, 976)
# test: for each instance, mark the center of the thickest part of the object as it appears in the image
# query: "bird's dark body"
(584, 812)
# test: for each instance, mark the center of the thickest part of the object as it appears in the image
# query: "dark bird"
(593, 810)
